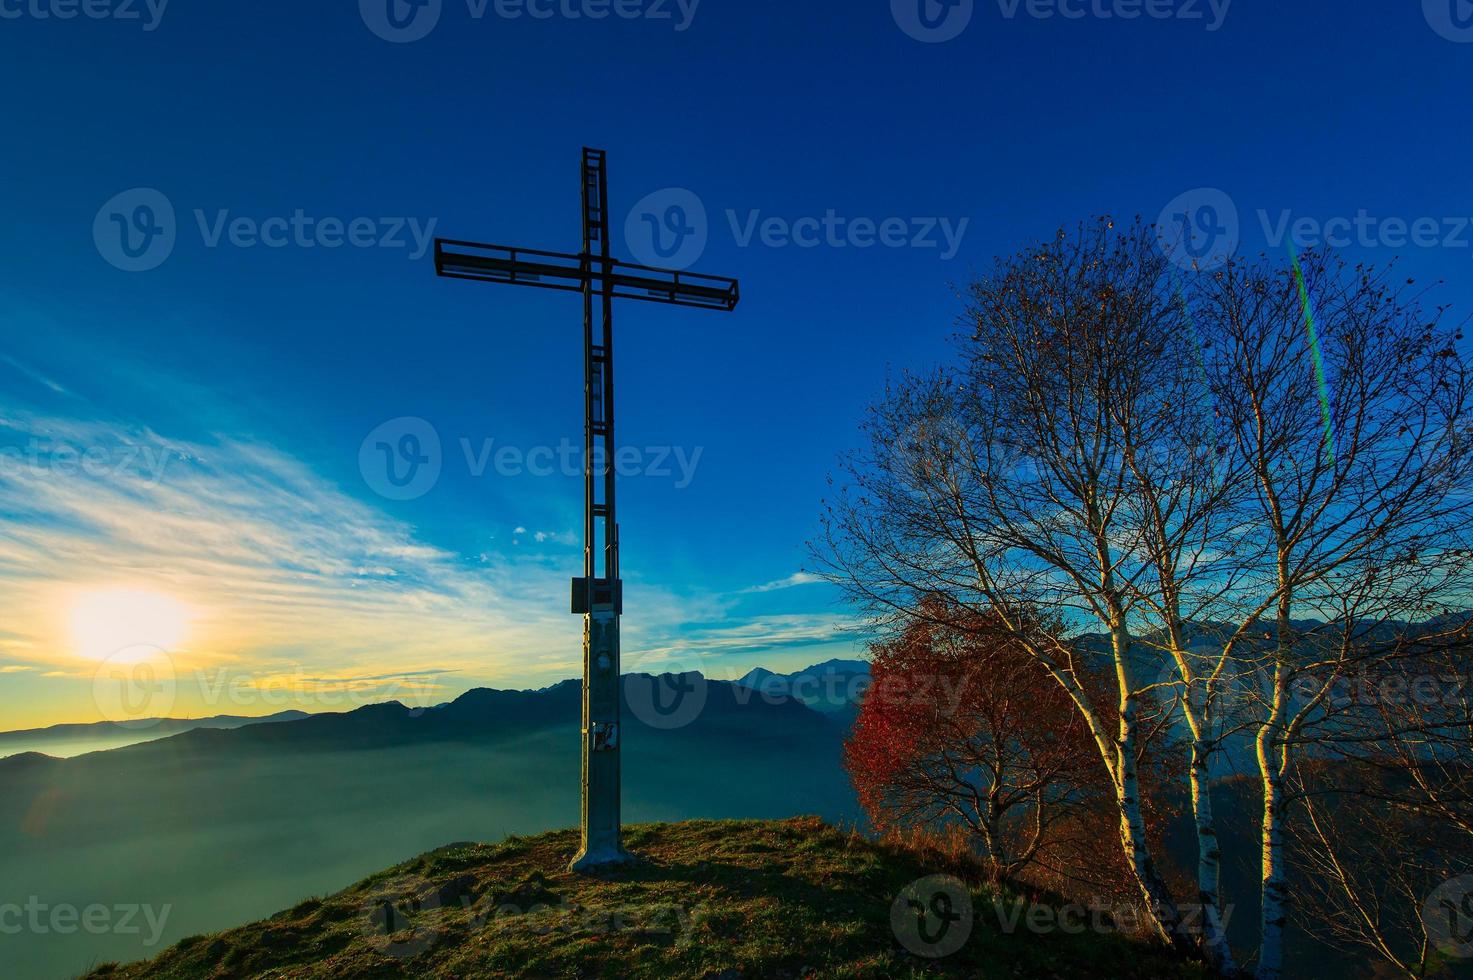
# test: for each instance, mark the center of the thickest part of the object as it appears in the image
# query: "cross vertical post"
(601, 757)
(598, 596)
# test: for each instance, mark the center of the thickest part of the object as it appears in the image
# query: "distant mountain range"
(225, 825)
(832, 688)
(70, 740)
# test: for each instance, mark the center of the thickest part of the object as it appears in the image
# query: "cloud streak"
(25, 370)
(792, 581)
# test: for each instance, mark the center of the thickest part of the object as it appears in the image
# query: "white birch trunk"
(1272, 758)
(1209, 852)
(1209, 863)
(1160, 907)
(1117, 751)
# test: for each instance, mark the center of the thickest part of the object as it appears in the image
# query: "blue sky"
(256, 373)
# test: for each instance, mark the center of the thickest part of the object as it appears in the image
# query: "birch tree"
(1348, 404)
(1011, 484)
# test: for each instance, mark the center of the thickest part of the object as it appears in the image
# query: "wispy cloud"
(25, 370)
(731, 646)
(293, 582)
(793, 580)
(278, 566)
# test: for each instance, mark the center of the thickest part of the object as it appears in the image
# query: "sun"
(105, 622)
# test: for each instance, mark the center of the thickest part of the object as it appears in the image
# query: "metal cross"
(597, 597)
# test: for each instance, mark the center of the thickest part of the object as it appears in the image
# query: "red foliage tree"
(961, 730)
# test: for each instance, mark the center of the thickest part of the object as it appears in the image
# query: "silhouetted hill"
(710, 899)
(25, 761)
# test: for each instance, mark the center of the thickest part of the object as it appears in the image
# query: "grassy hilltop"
(711, 899)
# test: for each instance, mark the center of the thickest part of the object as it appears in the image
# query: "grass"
(711, 899)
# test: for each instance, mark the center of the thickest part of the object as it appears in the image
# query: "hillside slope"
(225, 827)
(711, 899)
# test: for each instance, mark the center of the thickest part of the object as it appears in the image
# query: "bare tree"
(1367, 867)
(1349, 406)
(1014, 483)
(1388, 799)
(1253, 485)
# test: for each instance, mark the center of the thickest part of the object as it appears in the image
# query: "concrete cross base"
(597, 858)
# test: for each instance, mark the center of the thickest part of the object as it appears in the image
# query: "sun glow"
(106, 622)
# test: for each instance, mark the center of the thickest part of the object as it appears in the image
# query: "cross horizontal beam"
(562, 270)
